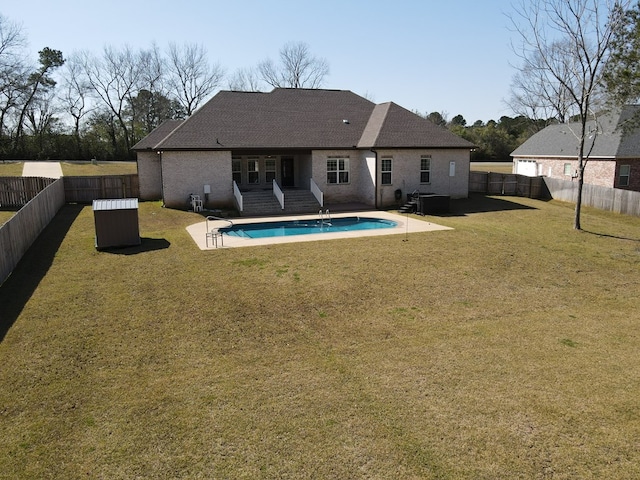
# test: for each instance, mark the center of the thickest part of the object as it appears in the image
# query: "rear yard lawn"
(505, 348)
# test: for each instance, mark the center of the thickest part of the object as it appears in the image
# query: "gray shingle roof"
(614, 137)
(157, 135)
(301, 118)
(402, 128)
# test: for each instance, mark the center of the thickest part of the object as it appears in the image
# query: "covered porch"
(271, 183)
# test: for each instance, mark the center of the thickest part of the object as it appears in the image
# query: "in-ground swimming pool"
(305, 227)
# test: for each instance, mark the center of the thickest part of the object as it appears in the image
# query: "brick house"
(334, 145)
(613, 149)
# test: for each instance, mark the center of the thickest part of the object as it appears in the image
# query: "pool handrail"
(214, 218)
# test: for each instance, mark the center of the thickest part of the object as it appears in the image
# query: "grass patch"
(88, 169)
(5, 215)
(10, 169)
(440, 357)
(76, 168)
(496, 167)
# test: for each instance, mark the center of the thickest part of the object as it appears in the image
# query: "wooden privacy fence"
(603, 198)
(88, 189)
(493, 183)
(17, 235)
(18, 191)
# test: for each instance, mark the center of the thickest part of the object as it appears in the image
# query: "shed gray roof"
(301, 119)
(115, 204)
(616, 135)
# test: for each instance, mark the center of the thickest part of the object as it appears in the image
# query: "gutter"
(375, 179)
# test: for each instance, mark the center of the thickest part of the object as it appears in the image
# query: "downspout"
(159, 152)
(375, 179)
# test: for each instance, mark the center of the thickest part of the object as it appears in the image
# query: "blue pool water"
(305, 227)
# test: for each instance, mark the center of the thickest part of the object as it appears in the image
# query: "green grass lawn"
(496, 167)
(506, 348)
(10, 169)
(76, 169)
(5, 215)
(87, 169)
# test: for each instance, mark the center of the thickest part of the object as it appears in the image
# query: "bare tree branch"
(298, 68)
(564, 48)
(192, 78)
(245, 80)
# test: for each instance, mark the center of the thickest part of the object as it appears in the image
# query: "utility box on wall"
(116, 222)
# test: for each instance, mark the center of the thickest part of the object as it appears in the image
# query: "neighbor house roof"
(301, 119)
(612, 135)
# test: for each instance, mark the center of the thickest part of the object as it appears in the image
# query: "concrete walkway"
(42, 169)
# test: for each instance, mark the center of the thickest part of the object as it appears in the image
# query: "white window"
(253, 169)
(386, 165)
(236, 170)
(425, 169)
(623, 175)
(567, 169)
(338, 170)
(270, 169)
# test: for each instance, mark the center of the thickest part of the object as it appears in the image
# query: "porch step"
(409, 207)
(263, 202)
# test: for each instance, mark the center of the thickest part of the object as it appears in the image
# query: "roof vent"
(345, 121)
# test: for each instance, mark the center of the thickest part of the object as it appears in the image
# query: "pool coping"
(406, 226)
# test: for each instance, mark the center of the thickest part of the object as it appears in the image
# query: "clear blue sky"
(426, 55)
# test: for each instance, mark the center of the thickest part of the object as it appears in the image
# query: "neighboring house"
(340, 146)
(613, 149)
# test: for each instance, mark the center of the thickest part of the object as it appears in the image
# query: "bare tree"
(566, 43)
(538, 95)
(13, 69)
(298, 68)
(75, 96)
(152, 70)
(115, 77)
(245, 80)
(192, 78)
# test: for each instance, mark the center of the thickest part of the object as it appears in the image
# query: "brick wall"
(149, 175)
(634, 176)
(405, 175)
(185, 173)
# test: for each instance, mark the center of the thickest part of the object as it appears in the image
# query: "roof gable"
(157, 135)
(402, 128)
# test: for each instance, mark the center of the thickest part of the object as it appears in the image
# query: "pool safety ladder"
(213, 234)
(325, 218)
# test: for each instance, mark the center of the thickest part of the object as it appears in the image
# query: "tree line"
(494, 140)
(88, 105)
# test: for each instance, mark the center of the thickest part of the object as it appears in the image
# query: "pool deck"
(406, 226)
